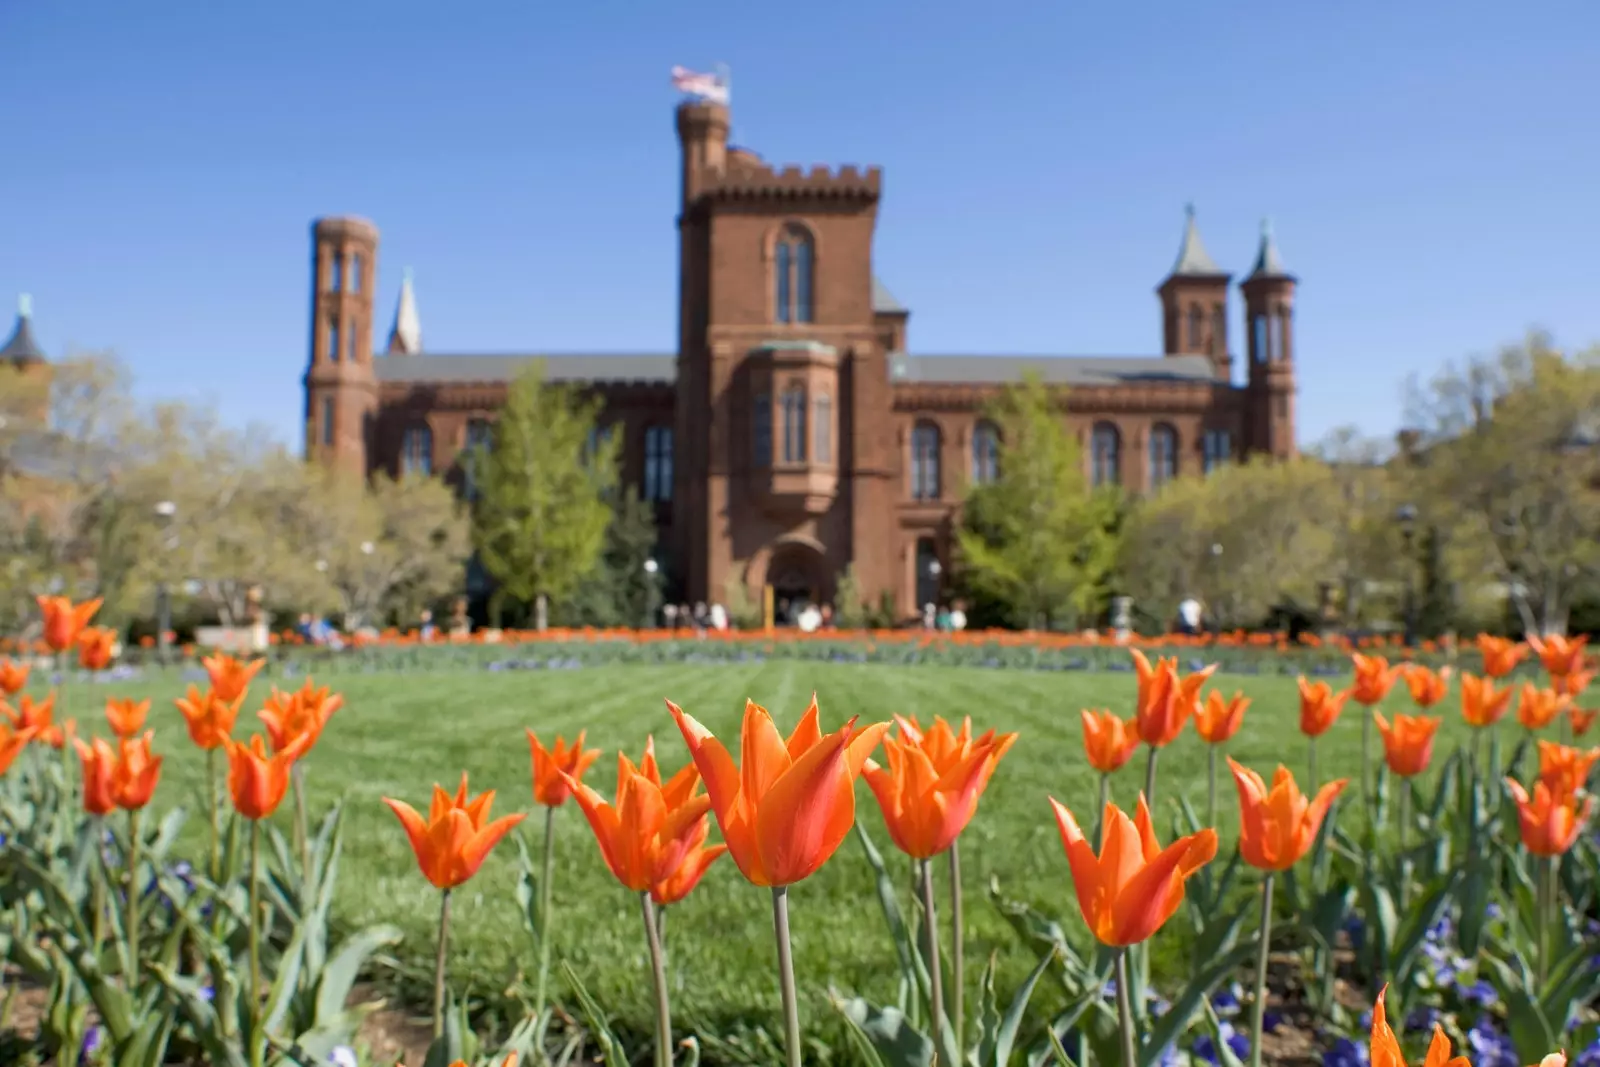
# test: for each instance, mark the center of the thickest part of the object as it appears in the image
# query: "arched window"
(794, 424)
(416, 451)
(822, 428)
(925, 461)
(480, 438)
(761, 430)
(335, 271)
(1275, 332)
(792, 276)
(658, 463)
(355, 272)
(1259, 339)
(1216, 448)
(1196, 329)
(1163, 454)
(334, 351)
(1105, 451)
(985, 453)
(1219, 330)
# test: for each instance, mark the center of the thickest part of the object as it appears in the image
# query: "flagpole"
(725, 76)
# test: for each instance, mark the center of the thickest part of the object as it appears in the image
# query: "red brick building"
(795, 431)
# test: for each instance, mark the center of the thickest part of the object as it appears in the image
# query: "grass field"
(400, 733)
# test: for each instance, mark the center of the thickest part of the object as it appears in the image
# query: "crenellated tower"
(341, 388)
(1269, 319)
(1194, 304)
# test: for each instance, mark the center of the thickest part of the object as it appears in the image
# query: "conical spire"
(1193, 259)
(1268, 263)
(405, 338)
(20, 347)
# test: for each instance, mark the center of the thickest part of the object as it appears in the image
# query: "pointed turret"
(405, 339)
(1269, 310)
(1269, 264)
(1194, 303)
(20, 348)
(1193, 259)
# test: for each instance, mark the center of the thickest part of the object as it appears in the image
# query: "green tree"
(539, 523)
(849, 606)
(1037, 538)
(622, 590)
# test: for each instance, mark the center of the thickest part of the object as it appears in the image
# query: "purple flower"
(1345, 1053)
(92, 1040)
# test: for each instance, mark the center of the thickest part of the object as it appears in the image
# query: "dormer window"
(792, 267)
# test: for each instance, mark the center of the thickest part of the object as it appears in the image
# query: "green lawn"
(400, 733)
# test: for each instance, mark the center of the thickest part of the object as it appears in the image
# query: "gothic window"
(1216, 448)
(1196, 329)
(1163, 454)
(416, 451)
(794, 425)
(925, 461)
(1275, 334)
(658, 463)
(480, 438)
(985, 453)
(928, 571)
(792, 276)
(1260, 341)
(1219, 330)
(761, 430)
(355, 273)
(822, 428)
(327, 420)
(1105, 452)
(335, 271)
(334, 352)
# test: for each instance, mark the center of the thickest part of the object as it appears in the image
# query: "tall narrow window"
(1105, 450)
(1219, 330)
(792, 266)
(1275, 332)
(1196, 329)
(1258, 336)
(1163, 455)
(928, 572)
(416, 451)
(327, 420)
(352, 354)
(480, 438)
(334, 352)
(822, 429)
(335, 271)
(985, 453)
(599, 438)
(794, 425)
(761, 430)
(1216, 448)
(658, 463)
(925, 462)
(355, 272)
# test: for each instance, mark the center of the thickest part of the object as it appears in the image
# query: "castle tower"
(405, 337)
(1194, 304)
(1269, 318)
(341, 389)
(20, 349)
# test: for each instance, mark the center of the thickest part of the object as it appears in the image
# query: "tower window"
(822, 429)
(792, 276)
(1275, 331)
(761, 430)
(925, 461)
(1196, 330)
(1259, 340)
(355, 273)
(658, 463)
(1219, 331)
(352, 336)
(327, 421)
(1216, 449)
(334, 352)
(794, 425)
(416, 451)
(1105, 450)
(335, 271)
(1163, 454)
(985, 453)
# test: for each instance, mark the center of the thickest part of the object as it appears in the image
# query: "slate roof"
(883, 301)
(1269, 264)
(430, 368)
(20, 347)
(1193, 259)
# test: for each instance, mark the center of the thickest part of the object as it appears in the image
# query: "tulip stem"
(958, 952)
(1150, 779)
(935, 970)
(439, 958)
(1366, 765)
(211, 805)
(1130, 1042)
(1311, 766)
(255, 941)
(1100, 812)
(132, 903)
(658, 974)
(302, 827)
(546, 875)
(1211, 785)
(1259, 1009)
(791, 1006)
(98, 887)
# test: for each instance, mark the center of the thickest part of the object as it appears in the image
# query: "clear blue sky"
(1430, 169)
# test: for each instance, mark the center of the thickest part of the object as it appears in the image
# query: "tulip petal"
(1149, 897)
(805, 815)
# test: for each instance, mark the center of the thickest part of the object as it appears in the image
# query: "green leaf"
(610, 1048)
(892, 1037)
(1006, 1036)
(866, 1052)
(340, 974)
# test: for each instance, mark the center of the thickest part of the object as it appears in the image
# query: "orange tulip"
(230, 678)
(457, 836)
(1216, 720)
(931, 788)
(1549, 823)
(1582, 719)
(39, 717)
(646, 835)
(303, 713)
(256, 781)
(1165, 700)
(1134, 885)
(1500, 656)
(1538, 708)
(791, 804)
(696, 862)
(1560, 655)
(210, 719)
(64, 620)
(122, 778)
(1427, 687)
(1374, 678)
(1565, 769)
(1481, 705)
(1408, 744)
(1108, 741)
(126, 715)
(95, 646)
(553, 766)
(13, 676)
(1278, 826)
(1572, 684)
(12, 742)
(1384, 1048)
(1319, 707)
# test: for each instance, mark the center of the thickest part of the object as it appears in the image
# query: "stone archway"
(798, 573)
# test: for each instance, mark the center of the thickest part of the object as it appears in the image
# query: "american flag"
(705, 86)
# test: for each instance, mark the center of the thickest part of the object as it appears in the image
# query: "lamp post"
(165, 511)
(1216, 585)
(651, 591)
(1406, 516)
